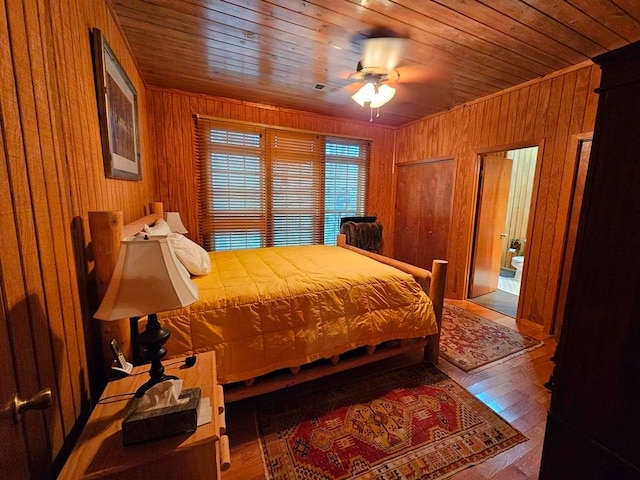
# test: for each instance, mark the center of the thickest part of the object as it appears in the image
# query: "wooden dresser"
(202, 454)
(593, 425)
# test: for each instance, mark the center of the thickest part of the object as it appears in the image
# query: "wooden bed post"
(156, 208)
(106, 228)
(436, 280)
(436, 294)
(106, 233)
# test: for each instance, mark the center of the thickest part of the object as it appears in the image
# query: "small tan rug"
(471, 342)
(411, 423)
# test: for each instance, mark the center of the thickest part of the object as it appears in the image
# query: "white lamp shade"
(376, 96)
(364, 94)
(382, 96)
(148, 278)
(175, 222)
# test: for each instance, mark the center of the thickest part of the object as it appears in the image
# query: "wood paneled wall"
(171, 119)
(545, 113)
(51, 175)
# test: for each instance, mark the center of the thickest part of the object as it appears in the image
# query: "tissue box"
(142, 426)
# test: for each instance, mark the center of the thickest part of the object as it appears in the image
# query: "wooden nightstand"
(202, 454)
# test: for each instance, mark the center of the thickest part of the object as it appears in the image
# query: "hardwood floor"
(514, 389)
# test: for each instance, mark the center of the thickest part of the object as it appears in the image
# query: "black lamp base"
(152, 341)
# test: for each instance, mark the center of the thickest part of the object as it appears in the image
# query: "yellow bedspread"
(271, 308)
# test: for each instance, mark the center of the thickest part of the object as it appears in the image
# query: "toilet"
(518, 262)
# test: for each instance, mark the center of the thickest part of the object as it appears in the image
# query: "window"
(295, 169)
(345, 182)
(271, 187)
(232, 188)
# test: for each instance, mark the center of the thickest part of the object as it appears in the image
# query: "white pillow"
(160, 227)
(195, 258)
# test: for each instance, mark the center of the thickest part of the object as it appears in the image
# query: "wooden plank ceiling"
(275, 52)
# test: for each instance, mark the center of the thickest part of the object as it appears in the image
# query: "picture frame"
(117, 112)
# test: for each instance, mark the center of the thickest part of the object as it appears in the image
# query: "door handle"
(39, 401)
(503, 235)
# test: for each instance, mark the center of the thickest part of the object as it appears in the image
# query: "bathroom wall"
(522, 174)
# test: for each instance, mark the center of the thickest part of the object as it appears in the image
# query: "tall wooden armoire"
(593, 426)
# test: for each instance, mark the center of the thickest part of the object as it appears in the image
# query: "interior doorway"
(500, 232)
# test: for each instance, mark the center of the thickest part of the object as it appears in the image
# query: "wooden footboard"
(107, 230)
(432, 282)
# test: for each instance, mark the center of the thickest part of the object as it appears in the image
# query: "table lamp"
(175, 222)
(148, 278)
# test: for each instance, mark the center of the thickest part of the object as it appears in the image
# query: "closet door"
(424, 198)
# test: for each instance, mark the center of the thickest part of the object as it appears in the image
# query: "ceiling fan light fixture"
(364, 94)
(383, 94)
(375, 95)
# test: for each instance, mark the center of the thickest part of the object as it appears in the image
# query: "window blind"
(295, 168)
(233, 191)
(262, 186)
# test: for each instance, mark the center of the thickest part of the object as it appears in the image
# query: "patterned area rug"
(471, 342)
(412, 423)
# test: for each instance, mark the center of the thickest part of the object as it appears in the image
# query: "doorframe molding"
(508, 146)
(573, 154)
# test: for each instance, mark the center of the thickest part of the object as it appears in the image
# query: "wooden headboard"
(107, 230)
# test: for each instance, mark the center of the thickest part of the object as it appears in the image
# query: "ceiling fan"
(378, 69)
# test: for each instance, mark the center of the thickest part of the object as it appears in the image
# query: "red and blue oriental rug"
(410, 423)
(472, 342)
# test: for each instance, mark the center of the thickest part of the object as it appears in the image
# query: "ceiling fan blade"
(382, 52)
(414, 73)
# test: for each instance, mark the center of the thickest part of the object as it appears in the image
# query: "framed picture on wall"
(117, 112)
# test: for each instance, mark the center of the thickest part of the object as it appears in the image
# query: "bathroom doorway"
(500, 234)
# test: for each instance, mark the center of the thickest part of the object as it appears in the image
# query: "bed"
(269, 313)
